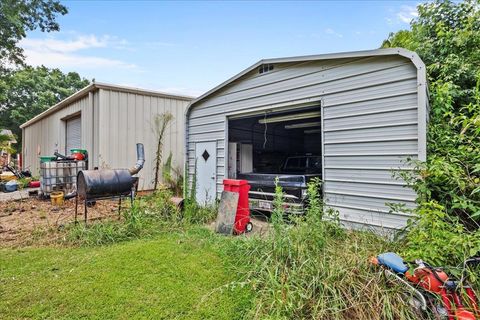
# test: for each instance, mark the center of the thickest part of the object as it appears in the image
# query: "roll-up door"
(74, 134)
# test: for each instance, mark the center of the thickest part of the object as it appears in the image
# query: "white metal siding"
(370, 116)
(73, 134)
(128, 118)
(113, 121)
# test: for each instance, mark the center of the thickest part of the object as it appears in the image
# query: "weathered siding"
(128, 118)
(48, 134)
(370, 124)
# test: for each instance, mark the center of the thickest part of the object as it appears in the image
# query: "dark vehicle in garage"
(294, 176)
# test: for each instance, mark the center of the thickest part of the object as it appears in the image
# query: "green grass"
(172, 276)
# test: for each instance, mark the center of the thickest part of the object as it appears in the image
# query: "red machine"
(427, 283)
(242, 218)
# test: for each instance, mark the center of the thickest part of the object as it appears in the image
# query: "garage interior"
(261, 143)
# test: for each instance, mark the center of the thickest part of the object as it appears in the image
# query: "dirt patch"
(32, 221)
(261, 226)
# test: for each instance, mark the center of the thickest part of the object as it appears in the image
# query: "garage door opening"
(283, 144)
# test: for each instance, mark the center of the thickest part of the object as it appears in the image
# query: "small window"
(265, 68)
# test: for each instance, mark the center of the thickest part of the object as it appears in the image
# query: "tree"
(19, 16)
(446, 35)
(30, 91)
(161, 122)
(5, 143)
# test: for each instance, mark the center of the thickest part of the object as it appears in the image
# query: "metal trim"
(371, 112)
(390, 125)
(368, 196)
(369, 154)
(372, 140)
(96, 86)
(370, 168)
(371, 210)
(369, 182)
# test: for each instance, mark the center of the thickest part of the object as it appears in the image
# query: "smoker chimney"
(140, 160)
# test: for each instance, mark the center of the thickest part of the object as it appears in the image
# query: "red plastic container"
(242, 218)
(34, 184)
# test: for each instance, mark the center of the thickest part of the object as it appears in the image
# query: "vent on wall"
(265, 68)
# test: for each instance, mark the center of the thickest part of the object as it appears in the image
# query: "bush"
(439, 238)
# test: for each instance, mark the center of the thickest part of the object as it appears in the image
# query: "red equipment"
(458, 298)
(242, 218)
(78, 156)
(34, 184)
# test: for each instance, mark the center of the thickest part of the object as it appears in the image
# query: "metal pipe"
(140, 160)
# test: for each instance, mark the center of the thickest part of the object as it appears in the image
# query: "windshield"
(296, 164)
(303, 165)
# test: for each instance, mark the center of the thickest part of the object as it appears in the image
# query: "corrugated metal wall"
(48, 134)
(128, 118)
(111, 130)
(370, 122)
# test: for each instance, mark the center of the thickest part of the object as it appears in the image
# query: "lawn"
(172, 276)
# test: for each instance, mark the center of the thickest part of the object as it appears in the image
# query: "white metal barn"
(107, 120)
(363, 112)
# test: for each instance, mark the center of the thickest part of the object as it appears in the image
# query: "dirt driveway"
(22, 220)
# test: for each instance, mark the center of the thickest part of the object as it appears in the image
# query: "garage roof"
(95, 86)
(352, 54)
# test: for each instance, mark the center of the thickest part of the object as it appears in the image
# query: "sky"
(188, 48)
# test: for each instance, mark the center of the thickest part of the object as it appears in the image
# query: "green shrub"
(446, 35)
(439, 238)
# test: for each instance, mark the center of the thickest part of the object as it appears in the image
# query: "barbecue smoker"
(101, 184)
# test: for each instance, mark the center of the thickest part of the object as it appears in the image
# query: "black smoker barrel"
(93, 184)
(108, 183)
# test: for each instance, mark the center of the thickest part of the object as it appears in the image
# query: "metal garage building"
(107, 120)
(368, 111)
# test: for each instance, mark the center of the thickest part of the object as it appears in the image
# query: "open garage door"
(282, 144)
(73, 134)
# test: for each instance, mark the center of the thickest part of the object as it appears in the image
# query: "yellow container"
(7, 176)
(56, 197)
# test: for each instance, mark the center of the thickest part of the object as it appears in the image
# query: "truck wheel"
(249, 227)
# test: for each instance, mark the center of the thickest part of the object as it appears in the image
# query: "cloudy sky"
(190, 47)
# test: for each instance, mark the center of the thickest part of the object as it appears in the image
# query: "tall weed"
(311, 268)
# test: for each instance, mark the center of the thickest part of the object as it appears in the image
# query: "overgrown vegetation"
(446, 35)
(311, 268)
(148, 216)
(161, 123)
(172, 176)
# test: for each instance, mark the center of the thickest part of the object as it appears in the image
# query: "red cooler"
(242, 218)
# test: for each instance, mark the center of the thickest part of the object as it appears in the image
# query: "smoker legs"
(85, 210)
(86, 201)
(76, 208)
(119, 205)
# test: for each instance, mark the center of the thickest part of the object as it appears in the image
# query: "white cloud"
(58, 53)
(330, 31)
(407, 13)
(59, 60)
(181, 91)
